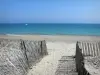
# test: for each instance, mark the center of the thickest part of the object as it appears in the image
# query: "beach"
(57, 47)
(49, 37)
(68, 38)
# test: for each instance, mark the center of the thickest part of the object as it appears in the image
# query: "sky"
(49, 11)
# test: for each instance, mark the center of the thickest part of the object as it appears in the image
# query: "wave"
(12, 35)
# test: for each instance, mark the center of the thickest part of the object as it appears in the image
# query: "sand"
(58, 46)
(48, 65)
(70, 38)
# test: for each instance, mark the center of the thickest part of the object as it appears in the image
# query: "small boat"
(26, 24)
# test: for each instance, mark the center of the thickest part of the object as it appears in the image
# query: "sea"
(50, 28)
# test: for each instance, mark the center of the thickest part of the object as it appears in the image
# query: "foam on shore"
(12, 35)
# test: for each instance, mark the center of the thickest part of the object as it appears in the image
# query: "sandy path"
(48, 65)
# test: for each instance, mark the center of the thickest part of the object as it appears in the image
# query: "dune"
(57, 47)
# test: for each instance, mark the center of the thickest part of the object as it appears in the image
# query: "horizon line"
(50, 23)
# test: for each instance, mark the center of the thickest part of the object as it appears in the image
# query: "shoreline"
(49, 34)
(52, 37)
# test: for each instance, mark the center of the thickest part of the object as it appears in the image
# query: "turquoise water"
(50, 28)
